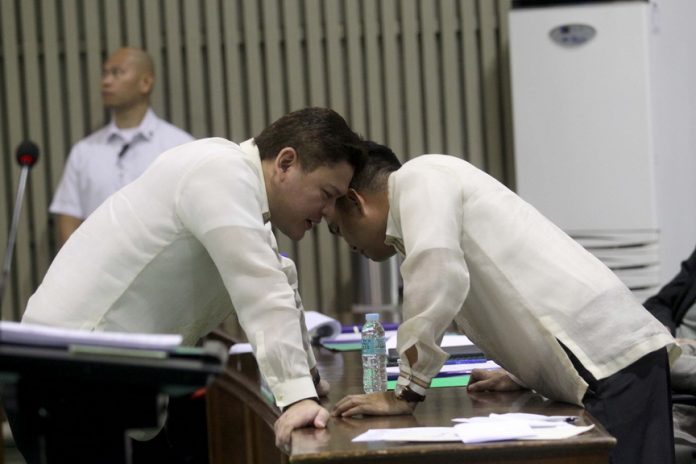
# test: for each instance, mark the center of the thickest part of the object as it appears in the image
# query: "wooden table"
(241, 424)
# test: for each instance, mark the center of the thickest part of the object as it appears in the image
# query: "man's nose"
(329, 209)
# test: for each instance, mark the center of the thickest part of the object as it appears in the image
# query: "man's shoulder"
(210, 150)
(430, 166)
(172, 133)
(95, 140)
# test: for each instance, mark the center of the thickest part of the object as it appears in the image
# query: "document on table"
(33, 334)
(240, 348)
(448, 340)
(424, 434)
(454, 344)
(320, 326)
(455, 367)
(517, 426)
(496, 427)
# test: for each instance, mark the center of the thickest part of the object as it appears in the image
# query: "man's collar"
(252, 151)
(146, 128)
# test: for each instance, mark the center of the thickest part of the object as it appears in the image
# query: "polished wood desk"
(241, 424)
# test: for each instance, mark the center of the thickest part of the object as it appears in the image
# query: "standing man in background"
(118, 153)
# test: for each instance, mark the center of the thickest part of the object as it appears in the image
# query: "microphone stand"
(7, 264)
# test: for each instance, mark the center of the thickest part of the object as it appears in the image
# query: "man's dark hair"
(320, 136)
(381, 161)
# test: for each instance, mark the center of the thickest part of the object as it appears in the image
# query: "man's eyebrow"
(335, 190)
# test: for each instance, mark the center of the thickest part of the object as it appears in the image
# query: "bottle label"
(373, 346)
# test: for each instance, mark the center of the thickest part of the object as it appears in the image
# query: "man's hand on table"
(301, 414)
(378, 404)
(492, 380)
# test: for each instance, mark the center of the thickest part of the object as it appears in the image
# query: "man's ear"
(286, 158)
(357, 201)
(147, 81)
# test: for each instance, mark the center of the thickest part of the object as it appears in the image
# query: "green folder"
(438, 382)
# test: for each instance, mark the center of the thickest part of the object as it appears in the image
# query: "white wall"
(674, 109)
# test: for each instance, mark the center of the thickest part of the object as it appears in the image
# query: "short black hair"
(320, 136)
(381, 161)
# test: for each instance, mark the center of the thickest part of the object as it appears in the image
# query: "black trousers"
(635, 406)
(184, 438)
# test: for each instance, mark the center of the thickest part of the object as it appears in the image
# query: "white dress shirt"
(95, 170)
(513, 282)
(174, 251)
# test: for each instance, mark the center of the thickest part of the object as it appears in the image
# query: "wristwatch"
(316, 378)
(404, 393)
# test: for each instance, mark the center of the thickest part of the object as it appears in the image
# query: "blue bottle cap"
(371, 317)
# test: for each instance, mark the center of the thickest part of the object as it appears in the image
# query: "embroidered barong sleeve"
(436, 278)
(219, 202)
(290, 271)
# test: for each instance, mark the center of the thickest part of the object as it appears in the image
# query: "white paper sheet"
(517, 426)
(420, 434)
(239, 348)
(447, 341)
(497, 427)
(558, 433)
(534, 420)
(463, 368)
(481, 432)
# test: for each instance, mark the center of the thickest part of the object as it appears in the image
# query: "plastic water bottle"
(374, 355)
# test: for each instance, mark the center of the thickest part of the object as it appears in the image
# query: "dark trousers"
(635, 406)
(184, 438)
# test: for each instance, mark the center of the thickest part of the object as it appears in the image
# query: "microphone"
(27, 153)
(27, 156)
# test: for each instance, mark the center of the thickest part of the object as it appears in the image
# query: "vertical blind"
(423, 76)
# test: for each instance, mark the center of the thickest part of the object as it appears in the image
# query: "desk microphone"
(27, 156)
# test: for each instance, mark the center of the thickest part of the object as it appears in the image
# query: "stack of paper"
(32, 334)
(321, 326)
(457, 345)
(496, 427)
(351, 339)
(425, 434)
(454, 367)
(517, 426)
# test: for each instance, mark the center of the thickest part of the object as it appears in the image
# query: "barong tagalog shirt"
(176, 251)
(476, 253)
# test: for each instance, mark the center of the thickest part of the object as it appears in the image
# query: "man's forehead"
(337, 176)
(121, 57)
